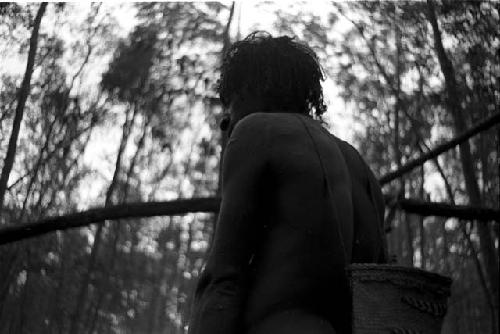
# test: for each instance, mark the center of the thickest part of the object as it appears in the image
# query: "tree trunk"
(449, 191)
(470, 244)
(421, 222)
(36, 169)
(82, 295)
(9, 264)
(397, 147)
(454, 105)
(103, 287)
(133, 162)
(24, 307)
(24, 92)
(57, 313)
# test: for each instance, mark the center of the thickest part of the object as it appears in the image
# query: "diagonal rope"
(412, 164)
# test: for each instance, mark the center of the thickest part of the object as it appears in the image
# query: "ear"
(224, 123)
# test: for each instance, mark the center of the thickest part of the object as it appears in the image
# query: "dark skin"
(241, 106)
(298, 205)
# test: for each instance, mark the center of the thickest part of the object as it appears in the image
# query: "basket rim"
(356, 268)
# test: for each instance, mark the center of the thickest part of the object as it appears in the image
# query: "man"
(298, 204)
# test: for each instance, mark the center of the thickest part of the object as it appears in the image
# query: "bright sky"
(249, 15)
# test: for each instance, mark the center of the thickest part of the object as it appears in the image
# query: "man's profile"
(298, 204)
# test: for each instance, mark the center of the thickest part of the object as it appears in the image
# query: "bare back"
(286, 244)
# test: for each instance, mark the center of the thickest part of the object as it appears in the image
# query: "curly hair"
(284, 72)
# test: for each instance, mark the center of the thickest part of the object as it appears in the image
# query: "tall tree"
(368, 79)
(23, 94)
(454, 104)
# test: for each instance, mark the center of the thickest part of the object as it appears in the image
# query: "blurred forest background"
(103, 104)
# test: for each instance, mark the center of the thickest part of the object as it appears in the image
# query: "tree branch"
(179, 207)
(464, 212)
(16, 232)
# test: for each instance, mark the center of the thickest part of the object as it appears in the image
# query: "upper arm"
(245, 156)
(370, 186)
(244, 163)
(378, 200)
(221, 289)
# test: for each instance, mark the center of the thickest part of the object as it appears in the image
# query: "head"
(262, 73)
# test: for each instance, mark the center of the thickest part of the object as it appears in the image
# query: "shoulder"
(262, 127)
(356, 163)
(249, 137)
(251, 130)
(247, 147)
(269, 120)
(350, 153)
(274, 125)
(369, 175)
(252, 123)
(346, 147)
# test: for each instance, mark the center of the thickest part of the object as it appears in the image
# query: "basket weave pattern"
(397, 300)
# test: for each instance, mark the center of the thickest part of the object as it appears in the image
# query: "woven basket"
(397, 300)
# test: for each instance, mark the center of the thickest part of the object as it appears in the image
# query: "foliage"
(390, 72)
(130, 114)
